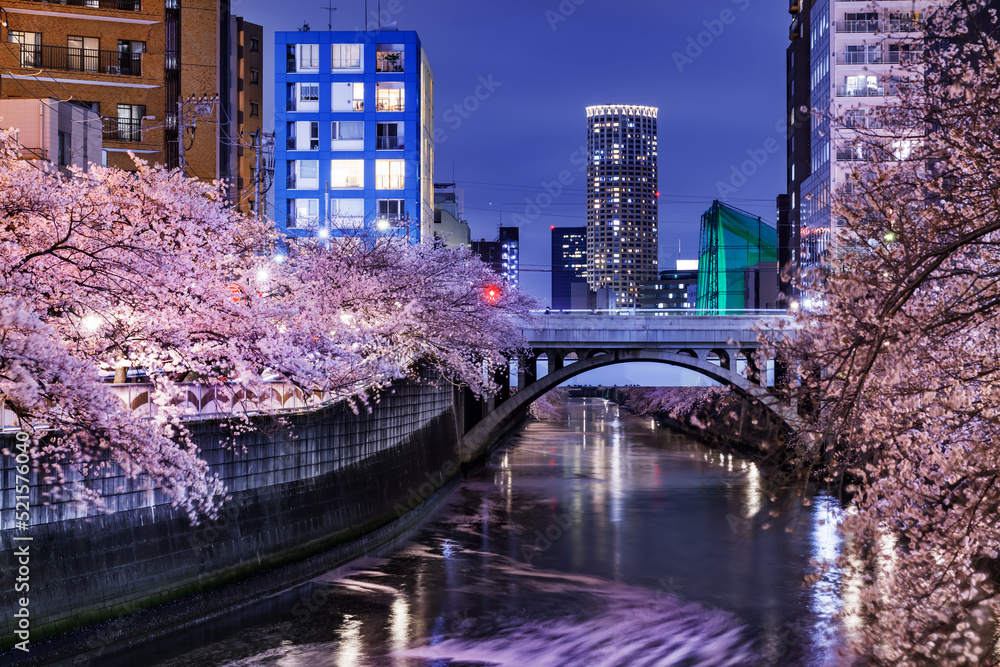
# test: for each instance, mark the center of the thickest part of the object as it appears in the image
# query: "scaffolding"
(733, 242)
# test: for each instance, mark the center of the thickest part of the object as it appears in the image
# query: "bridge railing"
(666, 312)
(207, 401)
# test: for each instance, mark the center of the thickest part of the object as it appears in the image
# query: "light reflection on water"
(600, 539)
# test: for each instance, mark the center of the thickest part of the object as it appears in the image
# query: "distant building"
(569, 268)
(673, 290)
(57, 134)
(502, 255)
(450, 226)
(354, 126)
(621, 201)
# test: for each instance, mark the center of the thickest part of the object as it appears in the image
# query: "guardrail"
(207, 401)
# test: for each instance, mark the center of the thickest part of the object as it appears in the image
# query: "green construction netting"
(731, 241)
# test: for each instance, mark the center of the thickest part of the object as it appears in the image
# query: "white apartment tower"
(621, 201)
(860, 54)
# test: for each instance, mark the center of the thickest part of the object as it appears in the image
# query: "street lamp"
(382, 224)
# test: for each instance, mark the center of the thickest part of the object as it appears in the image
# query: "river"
(600, 539)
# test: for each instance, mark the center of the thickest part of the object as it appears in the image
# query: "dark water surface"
(597, 540)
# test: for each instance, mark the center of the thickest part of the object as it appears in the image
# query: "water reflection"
(597, 540)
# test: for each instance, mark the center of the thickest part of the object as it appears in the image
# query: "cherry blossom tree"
(898, 357)
(148, 271)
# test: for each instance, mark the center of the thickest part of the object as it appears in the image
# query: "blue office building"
(354, 126)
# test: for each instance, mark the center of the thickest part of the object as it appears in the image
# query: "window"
(82, 53)
(254, 76)
(389, 136)
(347, 56)
(254, 44)
(303, 174)
(389, 58)
(303, 213)
(347, 212)
(254, 109)
(347, 174)
(303, 135)
(391, 209)
(64, 149)
(348, 96)
(302, 58)
(348, 135)
(129, 58)
(389, 96)
(129, 122)
(303, 96)
(31, 46)
(389, 174)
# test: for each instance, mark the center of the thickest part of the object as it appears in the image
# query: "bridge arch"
(476, 442)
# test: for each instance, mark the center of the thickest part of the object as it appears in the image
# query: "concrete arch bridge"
(720, 347)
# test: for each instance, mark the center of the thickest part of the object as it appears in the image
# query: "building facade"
(354, 129)
(569, 267)
(859, 57)
(673, 290)
(621, 201)
(56, 134)
(450, 226)
(134, 63)
(503, 254)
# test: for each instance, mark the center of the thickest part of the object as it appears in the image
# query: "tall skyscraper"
(126, 61)
(503, 254)
(569, 266)
(621, 201)
(354, 126)
(853, 58)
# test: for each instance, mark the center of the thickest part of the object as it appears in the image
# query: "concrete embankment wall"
(322, 479)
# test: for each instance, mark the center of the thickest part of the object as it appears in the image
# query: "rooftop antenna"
(330, 11)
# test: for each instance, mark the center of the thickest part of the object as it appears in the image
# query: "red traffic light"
(492, 294)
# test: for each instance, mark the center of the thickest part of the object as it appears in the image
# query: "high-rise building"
(621, 201)
(854, 57)
(127, 61)
(450, 226)
(569, 267)
(354, 127)
(502, 255)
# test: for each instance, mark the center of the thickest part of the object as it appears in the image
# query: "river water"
(600, 539)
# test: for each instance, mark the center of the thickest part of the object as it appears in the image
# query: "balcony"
(389, 61)
(862, 26)
(81, 60)
(122, 129)
(388, 104)
(120, 5)
(851, 155)
(389, 143)
(879, 58)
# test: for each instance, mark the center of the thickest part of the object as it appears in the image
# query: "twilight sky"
(720, 102)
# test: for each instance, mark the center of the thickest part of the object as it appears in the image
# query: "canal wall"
(305, 485)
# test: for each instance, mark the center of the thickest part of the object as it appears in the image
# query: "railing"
(389, 105)
(868, 26)
(122, 129)
(675, 312)
(849, 155)
(389, 143)
(207, 401)
(879, 58)
(81, 60)
(120, 5)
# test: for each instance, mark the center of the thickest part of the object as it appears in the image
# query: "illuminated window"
(389, 174)
(348, 96)
(347, 174)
